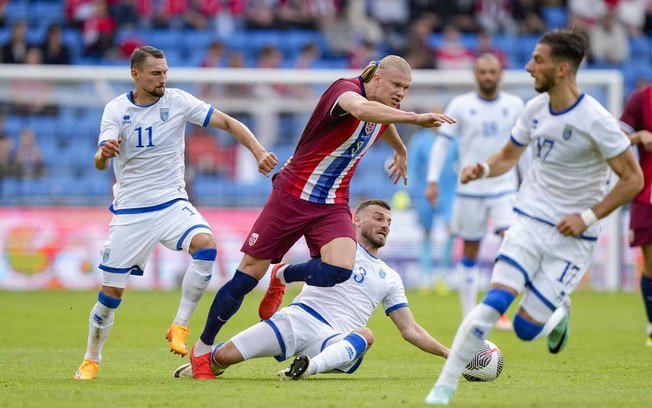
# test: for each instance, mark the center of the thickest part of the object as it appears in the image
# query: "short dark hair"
(569, 44)
(140, 54)
(374, 201)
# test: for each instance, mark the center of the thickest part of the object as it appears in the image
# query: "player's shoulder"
(512, 99)
(464, 98)
(536, 105)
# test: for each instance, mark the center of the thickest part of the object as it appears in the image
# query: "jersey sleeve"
(339, 88)
(607, 135)
(395, 297)
(197, 112)
(521, 135)
(630, 120)
(110, 126)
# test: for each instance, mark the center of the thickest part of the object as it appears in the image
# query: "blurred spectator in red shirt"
(451, 54)
(99, 30)
(486, 46)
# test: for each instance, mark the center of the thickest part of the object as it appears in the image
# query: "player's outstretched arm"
(436, 161)
(415, 334)
(104, 153)
(496, 165)
(398, 167)
(266, 160)
(372, 111)
(629, 184)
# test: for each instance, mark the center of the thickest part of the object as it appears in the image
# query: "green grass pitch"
(43, 339)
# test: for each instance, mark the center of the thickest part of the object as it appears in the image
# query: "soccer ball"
(486, 364)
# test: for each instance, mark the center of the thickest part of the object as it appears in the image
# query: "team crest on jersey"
(253, 238)
(568, 132)
(165, 114)
(126, 119)
(382, 275)
(105, 255)
(369, 127)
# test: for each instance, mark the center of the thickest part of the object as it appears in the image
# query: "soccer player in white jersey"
(325, 326)
(143, 131)
(484, 120)
(548, 248)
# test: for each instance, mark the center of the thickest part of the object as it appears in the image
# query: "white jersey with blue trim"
(483, 127)
(149, 170)
(349, 305)
(569, 172)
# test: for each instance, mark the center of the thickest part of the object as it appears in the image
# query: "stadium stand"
(63, 143)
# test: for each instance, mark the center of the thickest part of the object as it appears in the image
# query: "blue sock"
(425, 261)
(316, 273)
(226, 303)
(646, 291)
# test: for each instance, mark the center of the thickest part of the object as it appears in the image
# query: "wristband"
(485, 169)
(588, 216)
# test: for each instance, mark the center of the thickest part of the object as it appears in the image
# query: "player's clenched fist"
(110, 148)
(266, 162)
(474, 172)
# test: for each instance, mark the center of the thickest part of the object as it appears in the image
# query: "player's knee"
(525, 329)
(205, 254)
(220, 355)
(499, 299)
(202, 241)
(367, 334)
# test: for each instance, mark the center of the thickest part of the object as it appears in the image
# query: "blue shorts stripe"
(311, 312)
(541, 297)
(396, 306)
(134, 270)
(515, 264)
(520, 212)
(185, 234)
(282, 356)
(142, 210)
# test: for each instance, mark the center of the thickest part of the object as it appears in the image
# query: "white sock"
(194, 284)
(552, 322)
(468, 287)
(202, 348)
(468, 340)
(280, 275)
(333, 356)
(649, 329)
(100, 323)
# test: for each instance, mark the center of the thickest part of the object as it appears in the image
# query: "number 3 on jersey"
(148, 132)
(358, 277)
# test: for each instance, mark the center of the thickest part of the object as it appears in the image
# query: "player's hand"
(571, 225)
(398, 168)
(432, 193)
(470, 173)
(646, 140)
(266, 162)
(431, 119)
(110, 149)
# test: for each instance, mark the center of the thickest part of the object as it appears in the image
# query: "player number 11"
(140, 137)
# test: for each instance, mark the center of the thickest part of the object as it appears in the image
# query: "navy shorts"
(286, 218)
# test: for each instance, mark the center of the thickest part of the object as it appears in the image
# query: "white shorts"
(297, 332)
(471, 215)
(545, 263)
(132, 238)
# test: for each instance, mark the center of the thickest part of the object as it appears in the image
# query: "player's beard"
(371, 238)
(546, 83)
(157, 92)
(488, 88)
